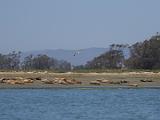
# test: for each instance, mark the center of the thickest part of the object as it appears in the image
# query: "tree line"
(12, 61)
(142, 55)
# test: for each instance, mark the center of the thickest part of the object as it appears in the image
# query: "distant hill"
(75, 57)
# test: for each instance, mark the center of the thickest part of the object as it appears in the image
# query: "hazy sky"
(73, 24)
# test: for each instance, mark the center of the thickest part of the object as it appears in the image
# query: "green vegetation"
(112, 59)
(12, 62)
(144, 56)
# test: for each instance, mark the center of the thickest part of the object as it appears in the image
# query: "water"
(78, 104)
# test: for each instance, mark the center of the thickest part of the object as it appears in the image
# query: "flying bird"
(76, 53)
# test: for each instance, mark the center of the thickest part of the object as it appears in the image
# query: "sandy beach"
(37, 80)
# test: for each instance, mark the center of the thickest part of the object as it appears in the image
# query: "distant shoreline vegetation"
(12, 62)
(143, 56)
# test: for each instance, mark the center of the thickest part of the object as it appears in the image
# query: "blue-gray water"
(77, 104)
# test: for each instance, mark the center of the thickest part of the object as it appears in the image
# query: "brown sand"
(113, 80)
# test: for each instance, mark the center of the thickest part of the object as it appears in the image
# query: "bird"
(76, 53)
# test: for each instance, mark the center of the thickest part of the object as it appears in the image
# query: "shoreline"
(79, 87)
(125, 80)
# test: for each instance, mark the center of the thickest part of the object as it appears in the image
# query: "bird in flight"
(76, 53)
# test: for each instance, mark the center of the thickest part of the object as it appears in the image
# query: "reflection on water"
(80, 104)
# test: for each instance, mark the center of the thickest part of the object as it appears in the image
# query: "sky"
(27, 25)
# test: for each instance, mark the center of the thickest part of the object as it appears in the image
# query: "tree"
(145, 55)
(10, 61)
(44, 62)
(3, 62)
(27, 63)
(64, 65)
(14, 60)
(41, 62)
(111, 59)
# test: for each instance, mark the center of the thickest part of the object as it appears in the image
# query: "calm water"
(77, 104)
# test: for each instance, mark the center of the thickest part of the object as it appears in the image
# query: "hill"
(75, 57)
